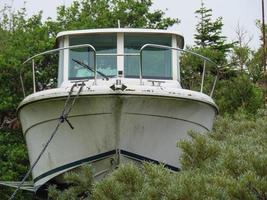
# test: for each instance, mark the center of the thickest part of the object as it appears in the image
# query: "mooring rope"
(63, 117)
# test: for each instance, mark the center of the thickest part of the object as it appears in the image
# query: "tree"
(105, 14)
(210, 43)
(239, 93)
(209, 32)
(241, 53)
(14, 161)
(261, 50)
(192, 68)
(255, 67)
(22, 38)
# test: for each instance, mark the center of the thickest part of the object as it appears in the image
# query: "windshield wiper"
(90, 68)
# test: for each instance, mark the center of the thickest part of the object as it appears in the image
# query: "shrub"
(239, 93)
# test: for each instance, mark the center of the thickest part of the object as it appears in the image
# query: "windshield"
(103, 43)
(156, 62)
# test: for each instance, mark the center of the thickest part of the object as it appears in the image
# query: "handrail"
(49, 52)
(181, 50)
(178, 49)
(58, 49)
(117, 54)
(140, 54)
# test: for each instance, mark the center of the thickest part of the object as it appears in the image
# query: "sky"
(234, 12)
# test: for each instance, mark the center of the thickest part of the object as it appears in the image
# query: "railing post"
(94, 52)
(203, 76)
(178, 66)
(213, 87)
(141, 67)
(22, 85)
(33, 76)
(49, 52)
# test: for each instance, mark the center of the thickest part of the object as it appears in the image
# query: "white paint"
(175, 70)
(145, 120)
(117, 30)
(66, 59)
(120, 50)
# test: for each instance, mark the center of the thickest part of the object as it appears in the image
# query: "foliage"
(239, 69)
(81, 183)
(209, 33)
(228, 163)
(192, 68)
(243, 59)
(105, 14)
(255, 67)
(209, 43)
(239, 92)
(21, 38)
(240, 57)
(233, 157)
(149, 182)
(14, 161)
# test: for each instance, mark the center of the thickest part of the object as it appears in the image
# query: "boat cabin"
(116, 53)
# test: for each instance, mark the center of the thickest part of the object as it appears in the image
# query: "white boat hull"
(110, 129)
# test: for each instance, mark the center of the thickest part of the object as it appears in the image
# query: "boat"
(130, 105)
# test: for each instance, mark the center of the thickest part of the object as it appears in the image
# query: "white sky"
(244, 12)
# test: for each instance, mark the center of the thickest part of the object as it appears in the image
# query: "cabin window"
(104, 44)
(157, 63)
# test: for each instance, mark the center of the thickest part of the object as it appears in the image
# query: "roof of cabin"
(120, 30)
(117, 30)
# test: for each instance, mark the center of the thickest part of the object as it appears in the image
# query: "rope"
(64, 115)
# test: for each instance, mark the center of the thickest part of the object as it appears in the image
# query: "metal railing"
(140, 54)
(205, 59)
(50, 52)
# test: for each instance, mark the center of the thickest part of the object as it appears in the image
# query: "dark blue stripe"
(101, 156)
(79, 162)
(143, 158)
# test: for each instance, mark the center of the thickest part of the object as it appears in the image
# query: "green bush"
(81, 183)
(13, 162)
(239, 93)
